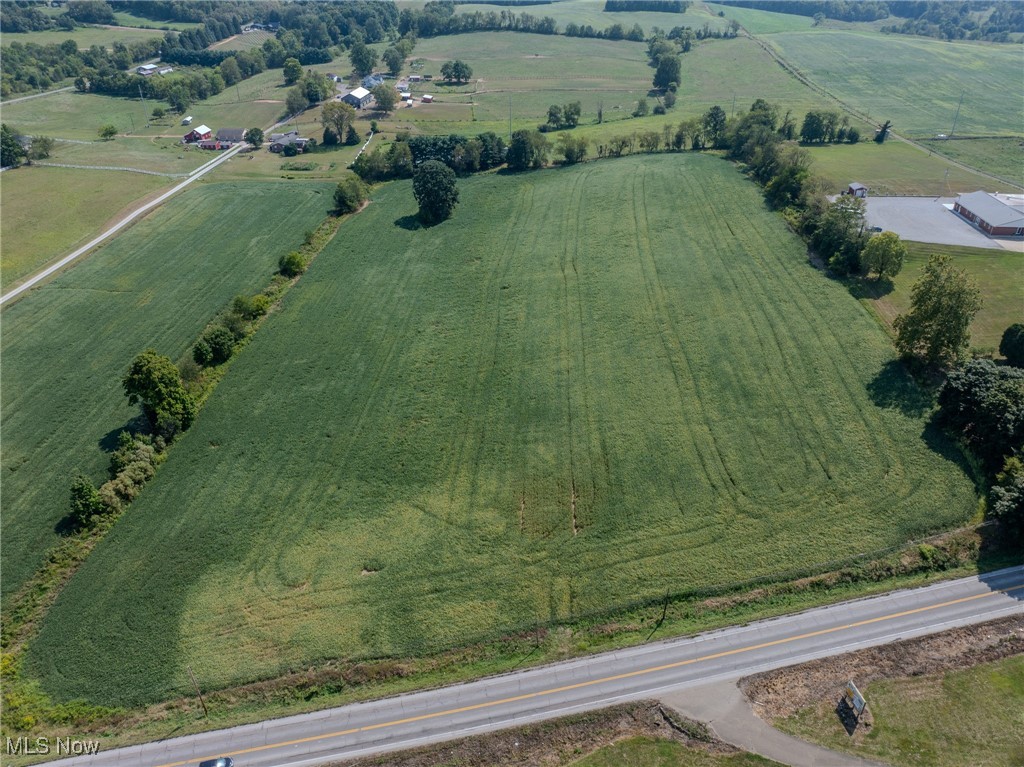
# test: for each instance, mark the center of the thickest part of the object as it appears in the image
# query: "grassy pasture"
(29, 197)
(84, 37)
(915, 82)
(243, 42)
(758, 22)
(592, 12)
(506, 419)
(156, 285)
(540, 70)
(896, 168)
(1002, 157)
(998, 273)
(971, 716)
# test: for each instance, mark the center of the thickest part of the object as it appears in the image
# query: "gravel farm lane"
(586, 683)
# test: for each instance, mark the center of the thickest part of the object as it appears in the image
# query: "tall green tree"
(229, 71)
(385, 96)
(11, 152)
(457, 71)
(153, 381)
(1011, 345)
(573, 149)
(884, 255)
(296, 100)
(943, 303)
(669, 71)
(292, 71)
(107, 132)
(528, 149)
(350, 194)
(337, 116)
(86, 503)
(363, 58)
(394, 59)
(713, 123)
(254, 137)
(436, 191)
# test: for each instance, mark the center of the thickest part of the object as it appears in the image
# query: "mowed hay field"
(594, 385)
(914, 81)
(67, 345)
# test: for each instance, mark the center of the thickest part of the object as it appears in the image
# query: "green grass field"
(84, 37)
(156, 285)
(539, 70)
(592, 12)
(29, 236)
(453, 433)
(243, 42)
(897, 168)
(758, 22)
(973, 716)
(998, 273)
(1002, 157)
(656, 752)
(916, 82)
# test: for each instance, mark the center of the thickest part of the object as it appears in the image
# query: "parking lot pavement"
(924, 219)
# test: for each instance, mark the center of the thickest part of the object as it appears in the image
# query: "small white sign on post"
(855, 699)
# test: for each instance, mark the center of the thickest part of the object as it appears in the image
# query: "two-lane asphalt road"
(587, 683)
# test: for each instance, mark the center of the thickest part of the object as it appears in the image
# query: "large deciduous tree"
(385, 96)
(433, 184)
(292, 71)
(1011, 345)
(154, 382)
(943, 303)
(884, 255)
(363, 58)
(254, 137)
(11, 152)
(528, 149)
(350, 194)
(394, 59)
(296, 100)
(457, 71)
(337, 116)
(669, 71)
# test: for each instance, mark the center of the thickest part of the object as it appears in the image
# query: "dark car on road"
(224, 761)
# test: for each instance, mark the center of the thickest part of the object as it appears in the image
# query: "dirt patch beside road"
(777, 694)
(557, 742)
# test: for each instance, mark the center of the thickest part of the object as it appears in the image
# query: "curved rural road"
(141, 211)
(586, 683)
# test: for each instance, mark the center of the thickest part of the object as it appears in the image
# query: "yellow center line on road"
(613, 678)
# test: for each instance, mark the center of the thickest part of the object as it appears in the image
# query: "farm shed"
(991, 214)
(857, 189)
(200, 133)
(231, 135)
(358, 98)
(147, 69)
(427, 98)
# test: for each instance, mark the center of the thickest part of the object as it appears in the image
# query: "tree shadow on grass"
(862, 287)
(893, 388)
(136, 425)
(411, 222)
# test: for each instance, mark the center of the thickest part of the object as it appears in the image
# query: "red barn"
(198, 134)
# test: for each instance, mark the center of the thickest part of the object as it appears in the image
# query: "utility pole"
(510, 118)
(957, 115)
(200, 694)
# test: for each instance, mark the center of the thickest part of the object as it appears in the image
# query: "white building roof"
(360, 93)
(993, 211)
(202, 129)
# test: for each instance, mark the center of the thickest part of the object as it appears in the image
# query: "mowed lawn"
(897, 168)
(914, 81)
(67, 345)
(969, 716)
(594, 385)
(997, 272)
